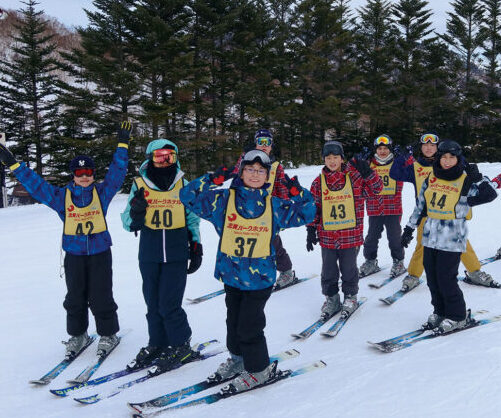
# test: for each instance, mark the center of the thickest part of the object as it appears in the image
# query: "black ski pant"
(393, 233)
(282, 258)
(245, 322)
(336, 261)
(163, 291)
(89, 284)
(441, 269)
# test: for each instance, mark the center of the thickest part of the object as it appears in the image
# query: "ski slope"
(453, 376)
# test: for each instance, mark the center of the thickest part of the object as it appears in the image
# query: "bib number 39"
(245, 246)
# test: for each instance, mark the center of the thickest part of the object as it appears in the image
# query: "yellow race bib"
(83, 221)
(243, 237)
(389, 184)
(338, 207)
(165, 210)
(442, 197)
(421, 173)
(272, 176)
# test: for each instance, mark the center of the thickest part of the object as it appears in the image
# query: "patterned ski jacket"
(403, 169)
(448, 234)
(497, 181)
(380, 205)
(279, 188)
(162, 245)
(201, 197)
(362, 188)
(54, 197)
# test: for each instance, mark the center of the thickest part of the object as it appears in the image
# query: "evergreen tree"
(28, 89)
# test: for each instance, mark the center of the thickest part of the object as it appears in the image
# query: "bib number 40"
(165, 220)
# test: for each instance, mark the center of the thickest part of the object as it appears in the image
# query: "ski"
(384, 282)
(56, 371)
(390, 347)
(360, 276)
(151, 373)
(221, 292)
(217, 396)
(86, 373)
(397, 295)
(176, 396)
(312, 328)
(339, 324)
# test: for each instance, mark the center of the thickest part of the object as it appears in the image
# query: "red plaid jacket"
(378, 205)
(362, 188)
(279, 188)
(497, 180)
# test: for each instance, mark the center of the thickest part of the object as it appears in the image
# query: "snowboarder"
(408, 169)
(263, 140)
(446, 198)
(169, 236)
(339, 193)
(247, 218)
(384, 211)
(82, 206)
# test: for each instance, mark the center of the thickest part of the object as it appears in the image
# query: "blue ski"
(339, 324)
(217, 396)
(164, 400)
(56, 371)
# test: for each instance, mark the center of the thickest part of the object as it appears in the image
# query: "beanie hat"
(333, 147)
(263, 133)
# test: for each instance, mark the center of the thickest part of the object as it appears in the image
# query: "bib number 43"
(338, 211)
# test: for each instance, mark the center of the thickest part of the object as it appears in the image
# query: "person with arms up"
(446, 198)
(339, 193)
(169, 237)
(384, 211)
(247, 219)
(82, 206)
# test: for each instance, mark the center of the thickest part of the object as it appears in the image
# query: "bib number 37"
(244, 246)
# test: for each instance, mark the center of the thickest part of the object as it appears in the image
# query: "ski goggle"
(264, 141)
(382, 140)
(80, 172)
(429, 139)
(163, 155)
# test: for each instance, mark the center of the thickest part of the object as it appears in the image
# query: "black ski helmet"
(333, 147)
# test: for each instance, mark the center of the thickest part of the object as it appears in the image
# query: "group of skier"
(248, 216)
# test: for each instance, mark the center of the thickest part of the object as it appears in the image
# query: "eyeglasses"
(264, 141)
(382, 140)
(162, 155)
(429, 138)
(80, 172)
(260, 171)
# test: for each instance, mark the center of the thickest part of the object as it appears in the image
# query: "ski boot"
(227, 370)
(368, 267)
(349, 305)
(331, 306)
(246, 380)
(397, 268)
(145, 358)
(409, 282)
(107, 344)
(481, 278)
(286, 278)
(433, 321)
(173, 357)
(75, 344)
(449, 325)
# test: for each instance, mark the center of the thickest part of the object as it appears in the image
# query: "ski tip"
(38, 382)
(374, 286)
(298, 336)
(386, 302)
(134, 407)
(326, 334)
(137, 416)
(58, 392)
(88, 400)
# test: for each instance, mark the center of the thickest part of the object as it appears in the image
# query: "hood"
(157, 144)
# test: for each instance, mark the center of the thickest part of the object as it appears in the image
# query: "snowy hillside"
(453, 376)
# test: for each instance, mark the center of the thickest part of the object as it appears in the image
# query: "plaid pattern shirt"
(497, 180)
(279, 188)
(381, 205)
(362, 188)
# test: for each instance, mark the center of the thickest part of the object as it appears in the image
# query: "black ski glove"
(138, 206)
(406, 152)
(406, 236)
(311, 238)
(221, 175)
(124, 133)
(485, 194)
(362, 167)
(196, 253)
(293, 186)
(6, 157)
(472, 176)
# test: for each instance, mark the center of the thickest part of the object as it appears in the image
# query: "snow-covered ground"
(454, 376)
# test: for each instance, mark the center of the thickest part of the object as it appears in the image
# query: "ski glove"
(406, 236)
(472, 176)
(406, 153)
(486, 194)
(221, 175)
(6, 157)
(293, 186)
(138, 206)
(124, 133)
(311, 238)
(196, 253)
(362, 167)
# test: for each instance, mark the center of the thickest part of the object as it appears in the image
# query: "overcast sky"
(70, 12)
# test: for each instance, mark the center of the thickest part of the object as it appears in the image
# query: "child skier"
(82, 206)
(169, 235)
(247, 219)
(339, 193)
(263, 140)
(408, 169)
(384, 211)
(446, 198)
